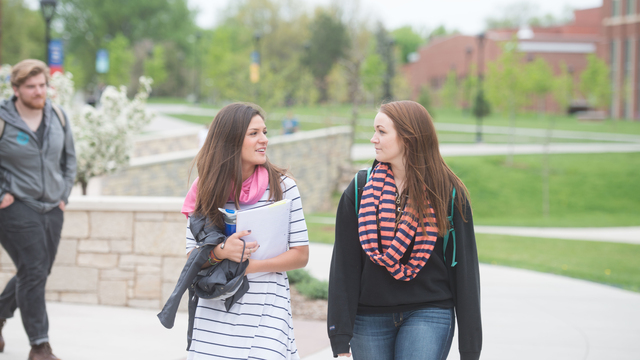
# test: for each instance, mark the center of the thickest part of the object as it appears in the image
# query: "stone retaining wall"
(314, 158)
(123, 251)
(166, 142)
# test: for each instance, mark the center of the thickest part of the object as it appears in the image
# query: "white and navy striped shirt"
(259, 325)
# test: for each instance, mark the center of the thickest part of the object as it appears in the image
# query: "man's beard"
(34, 104)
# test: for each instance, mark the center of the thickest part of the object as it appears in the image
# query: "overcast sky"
(466, 16)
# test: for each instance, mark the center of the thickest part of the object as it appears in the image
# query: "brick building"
(621, 29)
(569, 44)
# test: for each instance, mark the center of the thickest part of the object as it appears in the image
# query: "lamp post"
(480, 107)
(390, 72)
(48, 8)
(254, 68)
(198, 67)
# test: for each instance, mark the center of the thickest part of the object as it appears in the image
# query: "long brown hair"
(425, 167)
(219, 161)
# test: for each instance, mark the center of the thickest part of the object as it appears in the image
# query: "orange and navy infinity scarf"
(378, 205)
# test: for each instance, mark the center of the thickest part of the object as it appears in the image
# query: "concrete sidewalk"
(623, 234)
(531, 315)
(367, 152)
(526, 315)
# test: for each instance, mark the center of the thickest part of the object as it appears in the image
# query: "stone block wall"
(166, 142)
(314, 158)
(121, 251)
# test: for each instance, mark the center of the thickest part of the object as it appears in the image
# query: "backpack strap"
(56, 109)
(451, 231)
(363, 181)
(63, 120)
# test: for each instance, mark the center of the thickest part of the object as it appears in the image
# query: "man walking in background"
(37, 172)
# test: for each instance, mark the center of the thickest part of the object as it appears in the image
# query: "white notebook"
(269, 226)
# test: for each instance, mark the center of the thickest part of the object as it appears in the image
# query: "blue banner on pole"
(255, 57)
(56, 53)
(102, 61)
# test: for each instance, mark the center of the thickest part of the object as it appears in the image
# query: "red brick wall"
(451, 53)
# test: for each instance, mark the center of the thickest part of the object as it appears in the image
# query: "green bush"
(314, 289)
(298, 276)
(307, 285)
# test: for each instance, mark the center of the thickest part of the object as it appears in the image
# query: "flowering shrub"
(104, 135)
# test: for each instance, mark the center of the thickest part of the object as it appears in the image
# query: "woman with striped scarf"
(404, 263)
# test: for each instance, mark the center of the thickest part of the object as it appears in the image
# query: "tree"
(361, 45)
(506, 87)
(22, 32)
(523, 13)
(481, 107)
(449, 92)
(88, 25)
(441, 31)
(469, 89)
(539, 79)
(155, 66)
(563, 88)
(407, 40)
(385, 48)
(595, 84)
(120, 61)
(372, 73)
(540, 83)
(424, 99)
(328, 43)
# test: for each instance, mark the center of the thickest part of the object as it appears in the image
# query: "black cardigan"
(357, 285)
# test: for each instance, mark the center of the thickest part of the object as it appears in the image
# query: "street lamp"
(390, 72)
(48, 8)
(254, 68)
(480, 106)
(198, 67)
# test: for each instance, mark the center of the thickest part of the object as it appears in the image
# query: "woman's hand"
(233, 248)
(345, 354)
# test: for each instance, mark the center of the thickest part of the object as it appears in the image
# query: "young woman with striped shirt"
(234, 173)
(395, 287)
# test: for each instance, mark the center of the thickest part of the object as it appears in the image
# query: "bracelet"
(213, 257)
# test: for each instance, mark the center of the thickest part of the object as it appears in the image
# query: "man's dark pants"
(31, 240)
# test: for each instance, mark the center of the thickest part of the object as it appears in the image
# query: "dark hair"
(219, 161)
(425, 167)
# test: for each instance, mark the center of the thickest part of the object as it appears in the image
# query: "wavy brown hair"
(219, 161)
(425, 167)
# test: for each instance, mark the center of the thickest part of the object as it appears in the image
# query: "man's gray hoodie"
(40, 177)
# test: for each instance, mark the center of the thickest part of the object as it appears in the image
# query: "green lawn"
(561, 122)
(470, 138)
(607, 263)
(585, 189)
(167, 100)
(318, 116)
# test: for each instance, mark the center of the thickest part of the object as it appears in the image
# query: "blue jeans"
(423, 334)
(31, 240)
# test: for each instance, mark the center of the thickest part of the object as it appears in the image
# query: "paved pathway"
(531, 315)
(526, 315)
(626, 234)
(367, 152)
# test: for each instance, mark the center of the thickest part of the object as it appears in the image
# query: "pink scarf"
(252, 190)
